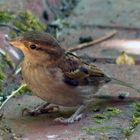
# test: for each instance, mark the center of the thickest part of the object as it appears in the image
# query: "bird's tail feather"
(120, 82)
(120, 97)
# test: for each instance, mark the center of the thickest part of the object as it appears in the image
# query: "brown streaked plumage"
(56, 76)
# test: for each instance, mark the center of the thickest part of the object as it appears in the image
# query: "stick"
(99, 40)
(12, 95)
(11, 27)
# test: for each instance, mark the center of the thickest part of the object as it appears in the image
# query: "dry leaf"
(125, 59)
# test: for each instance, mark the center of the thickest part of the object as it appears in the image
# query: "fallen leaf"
(125, 59)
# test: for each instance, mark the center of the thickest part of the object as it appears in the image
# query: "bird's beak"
(18, 44)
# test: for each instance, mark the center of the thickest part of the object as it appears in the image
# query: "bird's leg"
(75, 117)
(42, 109)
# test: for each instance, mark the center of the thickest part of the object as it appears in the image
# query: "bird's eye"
(33, 46)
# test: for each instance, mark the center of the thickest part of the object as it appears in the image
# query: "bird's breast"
(48, 84)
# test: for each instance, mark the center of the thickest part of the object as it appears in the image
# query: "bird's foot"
(43, 109)
(29, 112)
(69, 120)
(75, 117)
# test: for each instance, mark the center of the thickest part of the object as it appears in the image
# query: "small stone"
(84, 39)
(123, 95)
(45, 15)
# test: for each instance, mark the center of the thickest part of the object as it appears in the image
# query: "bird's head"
(38, 47)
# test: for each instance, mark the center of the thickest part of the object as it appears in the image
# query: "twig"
(109, 27)
(99, 40)
(10, 27)
(12, 95)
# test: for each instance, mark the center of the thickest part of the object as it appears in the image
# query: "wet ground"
(92, 18)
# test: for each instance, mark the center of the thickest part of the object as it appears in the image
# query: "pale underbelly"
(60, 94)
(53, 90)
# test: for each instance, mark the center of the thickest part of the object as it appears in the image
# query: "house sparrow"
(57, 76)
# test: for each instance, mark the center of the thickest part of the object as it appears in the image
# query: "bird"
(57, 76)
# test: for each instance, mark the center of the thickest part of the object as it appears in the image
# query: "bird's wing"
(77, 72)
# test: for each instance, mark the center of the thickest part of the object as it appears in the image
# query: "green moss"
(112, 111)
(107, 114)
(7, 60)
(91, 130)
(2, 75)
(136, 116)
(5, 66)
(13, 34)
(135, 120)
(21, 26)
(100, 116)
(137, 106)
(26, 21)
(127, 132)
(24, 90)
(6, 16)
(4, 63)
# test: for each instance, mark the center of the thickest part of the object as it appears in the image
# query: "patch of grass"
(26, 21)
(24, 90)
(6, 16)
(100, 116)
(136, 116)
(2, 75)
(107, 114)
(91, 130)
(137, 105)
(127, 132)
(135, 120)
(112, 111)
(5, 63)
(6, 67)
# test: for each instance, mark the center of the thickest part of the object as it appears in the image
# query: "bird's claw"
(36, 112)
(29, 112)
(69, 120)
(52, 109)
